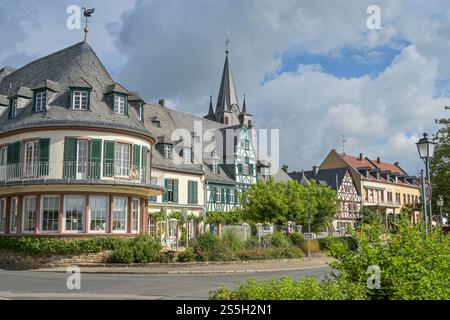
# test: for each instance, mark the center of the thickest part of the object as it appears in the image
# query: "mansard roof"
(75, 66)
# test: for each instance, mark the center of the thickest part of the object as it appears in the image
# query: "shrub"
(142, 249)
(269, 253)
(188, 255)
(252, 243)
(295, 238)
(313, 245)
(231, 240)
(279, 240)
(349, 242)
(45, 246)
(209, 247)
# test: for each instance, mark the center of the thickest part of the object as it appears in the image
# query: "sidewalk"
(203, 268)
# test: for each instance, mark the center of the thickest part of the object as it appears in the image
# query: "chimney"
(162, 102)
(396, 164)
(361, 157)
(315, 170)
(379, 160)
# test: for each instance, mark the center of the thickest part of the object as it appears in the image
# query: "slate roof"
(227, 94)
(73, 66)
(326, 177)
(279, 176)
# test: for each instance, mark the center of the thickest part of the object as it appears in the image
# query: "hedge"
(350, 242)
(46, 246)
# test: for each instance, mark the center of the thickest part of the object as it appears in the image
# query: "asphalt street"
(52, 285)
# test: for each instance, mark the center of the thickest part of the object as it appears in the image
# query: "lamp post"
(424, 202)
(425, 146)
(440, 204)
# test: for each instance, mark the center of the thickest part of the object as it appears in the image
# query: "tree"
(440, 164)
(266, 202)
(278, 202)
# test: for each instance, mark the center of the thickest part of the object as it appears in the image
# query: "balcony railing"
(71, 170)
(375, 202)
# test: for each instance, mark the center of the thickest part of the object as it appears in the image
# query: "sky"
(311, 68)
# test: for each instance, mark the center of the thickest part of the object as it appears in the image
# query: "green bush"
(188, 255)
(269, 253)
(252, 243)
(208, 247)
(231, 240)
(46, 246)
(295, 238)
(313, 246)
(414, 265)
(142, 249)
(279, 240)
(350, 242)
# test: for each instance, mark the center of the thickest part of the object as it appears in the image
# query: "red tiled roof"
(384, 166)
(356, 163)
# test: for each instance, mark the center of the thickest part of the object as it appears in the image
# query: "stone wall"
(20, 261)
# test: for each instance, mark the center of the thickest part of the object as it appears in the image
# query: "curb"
(112, 271)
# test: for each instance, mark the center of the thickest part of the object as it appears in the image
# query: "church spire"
(211, 110)
(244, 106)
(227, 97)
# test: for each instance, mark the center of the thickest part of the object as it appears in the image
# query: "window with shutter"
(192, 192)
(108, 158)
(95, 158)
(137, 156)
(175, 191)
(144, 164)
(44, 156)
(70, 157)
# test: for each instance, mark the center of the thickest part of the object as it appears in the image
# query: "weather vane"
(87, 14)
(227, 41)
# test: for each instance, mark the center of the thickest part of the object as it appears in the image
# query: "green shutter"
(126, 106)
(108, 158)
(44, 156)
(166, 184)
(13, 155)
(137, 156)
(213, 194)
(175, 191)
(10, 109)
(95, 158)
(70, 157)
(227, 193)
(194, 193)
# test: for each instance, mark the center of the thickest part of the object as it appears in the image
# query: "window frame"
(13, 113)
(134, 225)
(2, 215)
(80, 92)
(119, 172)
(83, 214)
(43, 101)
(117, 104)
(167, 151)
(124, 230)
(187, 155)
(41, 219)
(24, 214)
(15, 215)
(90, 218)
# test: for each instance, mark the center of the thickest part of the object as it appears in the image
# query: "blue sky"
(309, 68)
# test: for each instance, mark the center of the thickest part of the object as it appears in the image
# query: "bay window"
(99, 208)
(50, 213)
(120, 209)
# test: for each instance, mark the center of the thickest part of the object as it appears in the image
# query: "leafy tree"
(440, 164)
(325, 203)
(266, 202)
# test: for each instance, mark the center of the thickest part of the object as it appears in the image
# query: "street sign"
(309, 235)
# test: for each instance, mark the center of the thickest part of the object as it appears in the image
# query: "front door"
(82, 159)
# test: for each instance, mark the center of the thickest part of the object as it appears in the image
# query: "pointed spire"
(227, 93)
(211, 110)
(244, 106)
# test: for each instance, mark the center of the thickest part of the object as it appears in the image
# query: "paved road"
(52, 285)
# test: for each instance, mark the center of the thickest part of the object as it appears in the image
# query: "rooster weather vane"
(87, 14)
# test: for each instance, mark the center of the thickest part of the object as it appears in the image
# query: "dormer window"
(120, 102)
(187, 155)
(12, 108)
(167, 151)
(80, 99)
(40, 101)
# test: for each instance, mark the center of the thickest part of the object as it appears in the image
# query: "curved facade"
(75, 157)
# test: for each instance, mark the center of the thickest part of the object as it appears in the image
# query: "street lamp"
(425, 146)
(440, 204)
